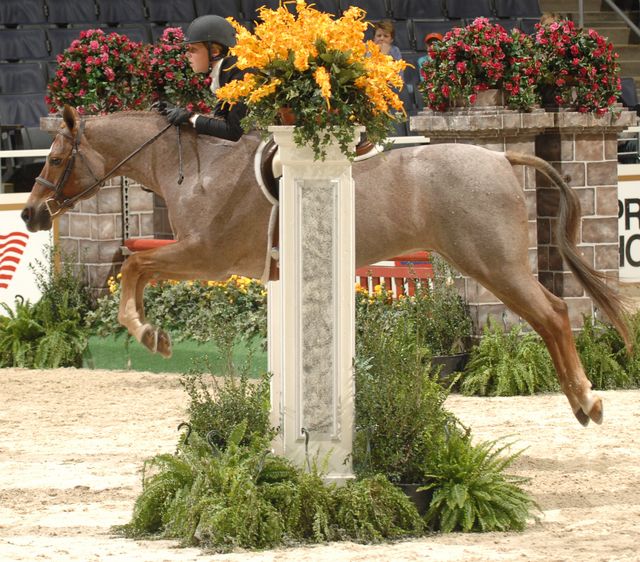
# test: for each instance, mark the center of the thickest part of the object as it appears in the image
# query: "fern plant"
(602, 351)
(471, 491)
(21, 332)
(507, 364)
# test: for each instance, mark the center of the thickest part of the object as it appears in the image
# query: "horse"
(408, 199)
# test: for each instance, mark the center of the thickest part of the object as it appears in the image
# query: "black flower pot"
(450, 363)
(421, 499)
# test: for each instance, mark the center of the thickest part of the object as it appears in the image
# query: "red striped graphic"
(11, 249)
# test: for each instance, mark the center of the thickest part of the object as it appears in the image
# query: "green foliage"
(507, 364)
(219, 404)
(601, 351)
(399, 404)
(201, 311)
(50, 333)
(371, 509)
(471, 492)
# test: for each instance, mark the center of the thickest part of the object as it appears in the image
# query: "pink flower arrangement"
(475, 58)
(580, 67)
(572, 67)
(172, 77)
(101, 73)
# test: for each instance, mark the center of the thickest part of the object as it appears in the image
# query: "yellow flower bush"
(322, 69)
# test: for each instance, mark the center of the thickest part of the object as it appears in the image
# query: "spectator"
(429, 39)
(383, 36)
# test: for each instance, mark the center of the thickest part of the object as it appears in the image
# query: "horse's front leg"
(174, 261)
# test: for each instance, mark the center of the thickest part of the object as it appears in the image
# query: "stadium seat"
(22, 77)
(137, 33)
(60, 38)
(176, 10)
(22, 12)
(250, 7)
(528, 25)
(224, 8)
(121, 11)
(22, 109)
(424, 27)
(629, 94)
(72, 11)
(461, 9)
(508, 23)
(412, 73)
(422, 9)
(329, 6)
(517, 8)
(23, 44)
(376, 9)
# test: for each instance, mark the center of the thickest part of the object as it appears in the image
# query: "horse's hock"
(583, 148)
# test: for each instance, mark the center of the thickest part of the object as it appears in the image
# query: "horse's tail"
(606, 298)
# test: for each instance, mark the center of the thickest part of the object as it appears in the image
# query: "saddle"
(268, 171)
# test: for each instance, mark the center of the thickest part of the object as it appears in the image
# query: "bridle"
(58, 202)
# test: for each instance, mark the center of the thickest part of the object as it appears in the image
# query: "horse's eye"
(55, 161)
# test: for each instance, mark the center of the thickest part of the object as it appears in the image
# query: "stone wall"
(91, 235)
(583, 147)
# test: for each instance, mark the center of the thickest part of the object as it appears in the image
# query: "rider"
(208, 39)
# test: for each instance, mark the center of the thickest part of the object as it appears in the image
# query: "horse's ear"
(70, 116)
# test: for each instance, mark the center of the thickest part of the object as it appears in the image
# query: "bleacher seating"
(465, 9)
(61, 37)
(422, 9)
(421, 28)
(121, 11)
(517, 8)
(72, 11)
(22, 77)
(22, 12)
(176, 10)
(23, 44)
(224, 8)
(376, 9)
(22, 109)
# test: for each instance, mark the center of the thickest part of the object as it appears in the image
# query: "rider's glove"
(178, 115)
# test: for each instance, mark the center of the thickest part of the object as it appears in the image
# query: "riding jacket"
(224, 121)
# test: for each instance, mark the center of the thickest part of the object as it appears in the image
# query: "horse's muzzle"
(36, 218)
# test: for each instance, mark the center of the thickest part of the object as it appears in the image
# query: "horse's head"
(70, 174)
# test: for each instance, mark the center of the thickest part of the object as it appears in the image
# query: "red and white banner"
(19, 251)
(12, 247)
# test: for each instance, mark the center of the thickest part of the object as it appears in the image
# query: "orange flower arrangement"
(322, 69)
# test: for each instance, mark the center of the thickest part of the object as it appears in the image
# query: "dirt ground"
(72, 443)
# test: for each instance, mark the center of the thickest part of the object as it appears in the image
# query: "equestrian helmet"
(211, 29)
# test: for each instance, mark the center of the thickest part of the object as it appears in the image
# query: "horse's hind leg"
(548, 315)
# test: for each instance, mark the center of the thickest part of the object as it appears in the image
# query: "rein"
(58, 196)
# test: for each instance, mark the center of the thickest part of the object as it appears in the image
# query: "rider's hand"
(178, 115)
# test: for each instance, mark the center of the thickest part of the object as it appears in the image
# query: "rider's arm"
(226, 126)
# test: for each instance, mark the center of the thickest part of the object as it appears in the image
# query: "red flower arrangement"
(579, 67)
(100, 73)
(173, 79)
(477, 57)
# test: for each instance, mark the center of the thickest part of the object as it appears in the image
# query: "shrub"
(508, 363)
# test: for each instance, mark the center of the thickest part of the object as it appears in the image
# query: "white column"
(312, 308)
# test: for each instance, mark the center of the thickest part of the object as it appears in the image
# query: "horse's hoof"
(156, 341)
(164, 344)
(582, 417)
(596, 413)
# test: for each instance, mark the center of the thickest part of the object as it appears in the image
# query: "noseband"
(58, 202)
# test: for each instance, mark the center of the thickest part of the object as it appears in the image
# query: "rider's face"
(198, 57)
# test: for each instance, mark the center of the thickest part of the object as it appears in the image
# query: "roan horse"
(461, 201)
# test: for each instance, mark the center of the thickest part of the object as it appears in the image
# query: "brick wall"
(581, 146)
